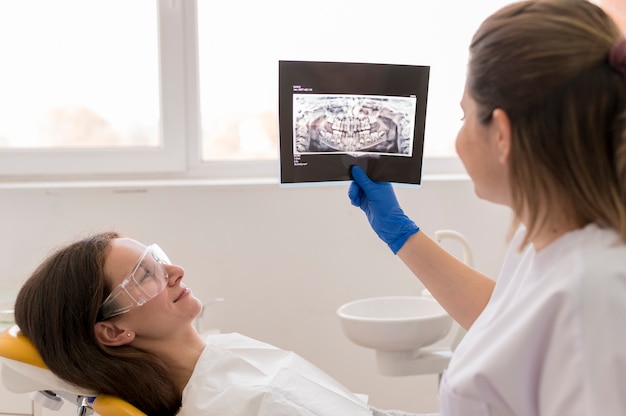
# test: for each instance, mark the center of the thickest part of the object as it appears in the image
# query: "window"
(238, 77)
(67, 84)
(186, 87)
(81, 88)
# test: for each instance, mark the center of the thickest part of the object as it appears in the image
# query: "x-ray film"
(333, 115)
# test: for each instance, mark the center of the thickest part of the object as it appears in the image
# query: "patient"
(113, 316)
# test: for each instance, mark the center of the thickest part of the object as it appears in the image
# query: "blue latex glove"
(379, 202)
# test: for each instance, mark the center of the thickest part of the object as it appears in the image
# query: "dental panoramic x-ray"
(353, 124)
(333, 115)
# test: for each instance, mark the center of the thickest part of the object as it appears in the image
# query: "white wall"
(283, 258)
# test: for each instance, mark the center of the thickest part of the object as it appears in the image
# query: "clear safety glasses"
(148, 279)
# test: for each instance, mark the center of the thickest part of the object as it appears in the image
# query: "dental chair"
(23, 371)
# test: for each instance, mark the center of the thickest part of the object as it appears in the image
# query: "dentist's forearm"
(462, 291)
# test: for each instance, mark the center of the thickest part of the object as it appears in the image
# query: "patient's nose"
(175, 273)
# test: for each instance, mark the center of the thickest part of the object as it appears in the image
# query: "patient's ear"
(111, 335)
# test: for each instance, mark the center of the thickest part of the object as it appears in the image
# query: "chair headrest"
(21, 354)
(15, 346)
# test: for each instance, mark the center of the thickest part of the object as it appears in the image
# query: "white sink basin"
(397, 327)
(394, 323)
(402, 329)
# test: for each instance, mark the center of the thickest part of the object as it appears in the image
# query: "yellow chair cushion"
(108, 405)
(15, 346)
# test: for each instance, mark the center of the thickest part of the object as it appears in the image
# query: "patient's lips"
(182, 294)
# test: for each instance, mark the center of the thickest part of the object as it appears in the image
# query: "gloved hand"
(379, 202)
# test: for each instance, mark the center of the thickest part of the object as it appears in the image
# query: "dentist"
(544, 133)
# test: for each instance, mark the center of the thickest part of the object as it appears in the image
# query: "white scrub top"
(239, 376)
(552, 339)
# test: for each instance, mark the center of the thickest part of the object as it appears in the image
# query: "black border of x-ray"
(349, 78)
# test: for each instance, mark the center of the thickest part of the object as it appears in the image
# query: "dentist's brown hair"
(546, 64)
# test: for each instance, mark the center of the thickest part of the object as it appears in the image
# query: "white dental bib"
(239, 376)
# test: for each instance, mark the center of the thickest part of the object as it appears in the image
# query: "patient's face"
(173, 308)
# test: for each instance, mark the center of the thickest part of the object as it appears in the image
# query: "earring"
(128, 335)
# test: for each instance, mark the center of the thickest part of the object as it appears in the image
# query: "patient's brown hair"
(58, 307)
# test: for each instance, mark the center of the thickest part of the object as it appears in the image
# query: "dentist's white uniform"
(552, 339)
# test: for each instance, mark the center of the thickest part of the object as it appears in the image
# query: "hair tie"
(617, 56)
